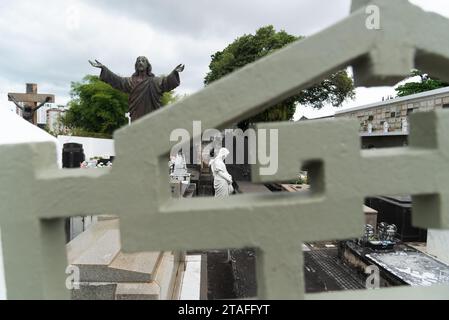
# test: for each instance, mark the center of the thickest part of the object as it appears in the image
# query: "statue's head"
(223, 153)
(143, 65)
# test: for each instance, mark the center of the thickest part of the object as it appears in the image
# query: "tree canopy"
(97, 109)
(249, 48)
(425, 84)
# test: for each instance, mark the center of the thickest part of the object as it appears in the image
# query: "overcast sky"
(49, 42)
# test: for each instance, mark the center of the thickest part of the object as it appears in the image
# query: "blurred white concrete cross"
(2, 273)
(14, 129)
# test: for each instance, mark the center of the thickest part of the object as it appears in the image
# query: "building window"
(446, 106)
(370, 118)
(409, 111)
(393, 115)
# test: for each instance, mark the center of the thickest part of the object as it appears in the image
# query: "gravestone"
(180, 169)
(72, 155)
(398, 211)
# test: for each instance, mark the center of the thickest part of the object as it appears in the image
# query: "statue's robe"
(222, 179)
(144, 95)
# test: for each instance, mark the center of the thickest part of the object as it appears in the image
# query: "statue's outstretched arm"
(117, 82)
(180, 68)
(172, 81)
(96, 64)
(15, 102)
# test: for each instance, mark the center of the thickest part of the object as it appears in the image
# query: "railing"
(35, 196)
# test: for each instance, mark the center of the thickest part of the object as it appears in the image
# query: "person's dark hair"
(149, 69)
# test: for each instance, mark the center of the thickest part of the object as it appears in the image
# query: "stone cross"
(30, 100)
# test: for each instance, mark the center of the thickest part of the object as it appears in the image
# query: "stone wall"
(393, 111)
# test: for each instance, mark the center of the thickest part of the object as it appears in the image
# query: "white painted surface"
(2, 272)
(438, 244)
(93, 147)
(191, 283)
(14, 130)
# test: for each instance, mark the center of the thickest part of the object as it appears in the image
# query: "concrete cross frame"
(35, 196)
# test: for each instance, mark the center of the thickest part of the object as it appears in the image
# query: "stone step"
(163, 287)
(138, 267)
(137, 291)
(141, 266)
(97, 254)
(167, 274)
(103, 251)
(107, 273)
(94, 291)
(78, 249)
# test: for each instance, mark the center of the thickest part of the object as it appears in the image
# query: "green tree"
(249, 48)
(171, 97)
(96, 107)
(425, 84)
(97, 110)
